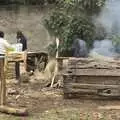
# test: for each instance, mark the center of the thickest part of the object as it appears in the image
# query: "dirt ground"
(49, 104)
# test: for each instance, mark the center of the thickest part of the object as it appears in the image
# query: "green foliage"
(88, 6)
(92, 6)
(52, 49)
(116, 42)
(28, 2)
(65, 27)
(73, 17)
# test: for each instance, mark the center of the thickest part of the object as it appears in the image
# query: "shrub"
(70, 18)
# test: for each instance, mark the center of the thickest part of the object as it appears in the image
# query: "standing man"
(20, 39)
(4, 45)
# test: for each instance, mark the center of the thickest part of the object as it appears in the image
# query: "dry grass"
(47, 73)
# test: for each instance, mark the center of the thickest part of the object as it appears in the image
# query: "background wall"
(28, 19)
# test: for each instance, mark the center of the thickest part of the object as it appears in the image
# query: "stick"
(56, 66)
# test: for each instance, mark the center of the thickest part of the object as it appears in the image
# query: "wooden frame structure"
(12, 57)
(86, 77)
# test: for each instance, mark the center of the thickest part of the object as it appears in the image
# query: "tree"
(70, 18)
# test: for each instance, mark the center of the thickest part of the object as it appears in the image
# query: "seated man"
(79, 48)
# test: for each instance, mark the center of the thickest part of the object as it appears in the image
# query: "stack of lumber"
(15, 56)
(11, 58)
(10, 74)
(90, 77)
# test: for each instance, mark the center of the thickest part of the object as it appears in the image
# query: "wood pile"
(36, 60)
(10, 74)
(15, 56)
(86, 77)
(11, 58)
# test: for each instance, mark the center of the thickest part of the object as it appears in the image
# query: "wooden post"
(3, 107)
(56, 66)
(25, 60)
(3, 83)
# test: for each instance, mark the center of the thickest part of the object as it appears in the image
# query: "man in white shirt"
(4, 45)
(23, 40)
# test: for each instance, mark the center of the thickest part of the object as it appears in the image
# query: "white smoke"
(104, 47)
(109, 18)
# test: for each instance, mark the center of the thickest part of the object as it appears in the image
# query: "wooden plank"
(62, 58)
(3, 83)
(77, 60)
(95, 72)
(15, 111)
(110, 107)
(107, 80)
(80, 91)
(15, 56)
(93, 66)
(110, 92)
(113, 94)
(92, 86)
(85, 96)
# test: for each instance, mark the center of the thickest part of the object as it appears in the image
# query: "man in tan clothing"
(4, 45)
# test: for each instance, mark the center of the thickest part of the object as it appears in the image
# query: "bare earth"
(49, 104)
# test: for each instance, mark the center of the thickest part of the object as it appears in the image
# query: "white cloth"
(4, 45)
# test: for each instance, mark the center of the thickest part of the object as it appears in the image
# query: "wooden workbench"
(16, 56)
(10, 60)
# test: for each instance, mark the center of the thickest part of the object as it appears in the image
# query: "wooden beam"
(92, 86)
(80, 91)
(15, 111)
(3, 83)
(95, 72)
(109, 107)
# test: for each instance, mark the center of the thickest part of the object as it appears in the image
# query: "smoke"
(104, 47)
(109, 18)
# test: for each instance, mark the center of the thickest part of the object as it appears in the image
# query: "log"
(14, 111)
